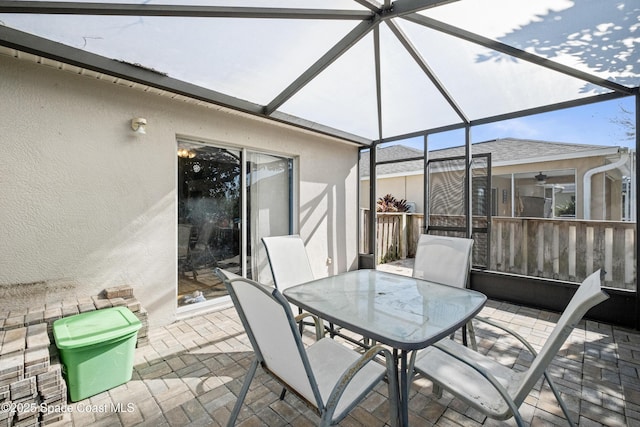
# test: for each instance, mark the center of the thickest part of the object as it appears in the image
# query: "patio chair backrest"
(273, 332)
(443, 259)
(204, 235)
(589, 294)
(288, 260)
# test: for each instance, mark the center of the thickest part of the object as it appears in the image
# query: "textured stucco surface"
(87, 204)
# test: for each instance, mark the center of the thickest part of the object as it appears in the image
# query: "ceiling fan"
(541, 179)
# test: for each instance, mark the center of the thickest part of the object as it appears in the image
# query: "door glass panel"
(269, 208)
(209, 201)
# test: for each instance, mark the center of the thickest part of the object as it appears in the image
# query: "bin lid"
(94, 327)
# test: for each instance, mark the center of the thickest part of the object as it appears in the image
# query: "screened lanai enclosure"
(373, 74)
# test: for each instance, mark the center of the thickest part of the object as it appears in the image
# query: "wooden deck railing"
(564, 249)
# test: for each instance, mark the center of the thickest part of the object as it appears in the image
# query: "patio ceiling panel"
(499, 83)
(344, 94)
(597, 37)
(251, 59)
(357, 69)
(411, 101)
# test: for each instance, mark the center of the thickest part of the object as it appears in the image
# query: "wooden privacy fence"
(396, 234)
(563, 249)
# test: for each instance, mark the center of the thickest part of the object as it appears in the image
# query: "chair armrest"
(509, 331)
(355, 367)
(486, 374)
(316, 321)
(494, 324)
(533, 352)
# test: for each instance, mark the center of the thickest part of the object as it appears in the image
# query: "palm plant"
(388, 203)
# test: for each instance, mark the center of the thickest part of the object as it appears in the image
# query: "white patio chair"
(290, 266)
(288, 260)
(201, 254)
(184, 238)
(496, 390)
(327, 375)
(446, 260)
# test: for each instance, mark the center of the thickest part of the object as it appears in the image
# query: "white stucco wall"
(408, 187)
(87, 204)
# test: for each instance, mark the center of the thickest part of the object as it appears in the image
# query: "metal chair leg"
(437, 391)
(243, 393)
(556, 393)
(472, 336)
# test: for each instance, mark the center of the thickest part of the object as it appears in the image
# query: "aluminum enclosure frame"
(370, 19)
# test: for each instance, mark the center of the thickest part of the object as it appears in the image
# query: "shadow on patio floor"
(192, 370)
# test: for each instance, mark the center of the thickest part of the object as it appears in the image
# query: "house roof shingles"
(503, 151)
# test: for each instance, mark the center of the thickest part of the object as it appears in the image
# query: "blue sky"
(590, 124)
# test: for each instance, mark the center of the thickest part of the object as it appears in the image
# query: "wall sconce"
(139, 125)
(185, 153)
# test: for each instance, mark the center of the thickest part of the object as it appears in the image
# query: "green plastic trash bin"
(97, 349)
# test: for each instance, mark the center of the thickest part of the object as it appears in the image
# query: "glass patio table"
(399, 311)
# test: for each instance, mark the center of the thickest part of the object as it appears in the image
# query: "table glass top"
(400, 311)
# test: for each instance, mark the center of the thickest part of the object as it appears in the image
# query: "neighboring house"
(528, 178)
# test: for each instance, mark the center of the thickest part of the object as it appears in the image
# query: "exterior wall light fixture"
(139, 125)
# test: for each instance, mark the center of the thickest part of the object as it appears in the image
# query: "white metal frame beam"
(321, 64)
(370, 19)
(422, 63)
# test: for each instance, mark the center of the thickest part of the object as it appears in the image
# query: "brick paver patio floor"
(192, 370)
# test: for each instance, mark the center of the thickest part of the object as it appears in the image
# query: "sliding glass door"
(228, 199)
(269, 208)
